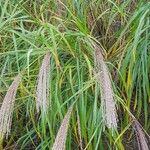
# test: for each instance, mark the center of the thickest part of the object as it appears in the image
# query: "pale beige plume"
(79, 132)
(103, 78)
(141, 139)
(42, 92)
(61, 136)
(7, 107)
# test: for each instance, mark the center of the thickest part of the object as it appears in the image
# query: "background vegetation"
(67, 29)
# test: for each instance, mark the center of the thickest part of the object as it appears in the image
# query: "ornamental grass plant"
(85, 72)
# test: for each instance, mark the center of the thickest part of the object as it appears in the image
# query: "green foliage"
(29, 29)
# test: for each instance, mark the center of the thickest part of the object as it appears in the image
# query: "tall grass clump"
(93, 55)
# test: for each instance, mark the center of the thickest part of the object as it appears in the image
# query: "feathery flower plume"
(79, 131)
(141, 139)
(103, 78)
(43, 85)
(60, 140)
(7, 107)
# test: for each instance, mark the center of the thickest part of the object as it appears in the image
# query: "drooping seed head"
(60, 140)
(103, 78)
(141, 139)
(79, 132)
(42, 92)
(7, 107)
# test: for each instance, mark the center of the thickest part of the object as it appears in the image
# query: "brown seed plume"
(60, 140)
(7, 107)
(141, 139)
(61, 11)
(43, 85)
(103, 79)
(90, 18)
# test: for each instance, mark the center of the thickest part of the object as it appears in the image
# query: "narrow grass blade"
(103, 79)
(7, 107)
(60, 140)
(43, 85)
